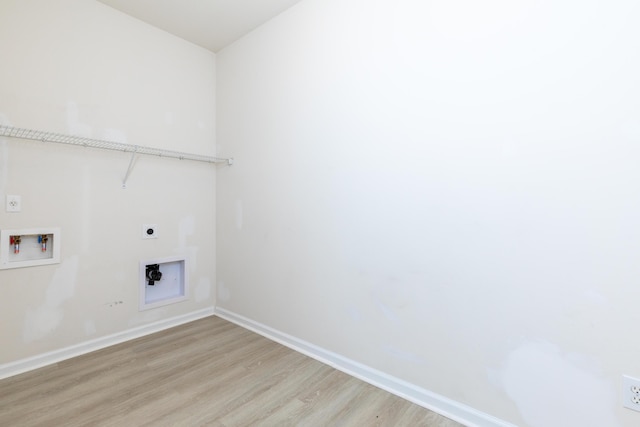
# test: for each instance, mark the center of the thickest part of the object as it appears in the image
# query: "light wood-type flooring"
(205, 373)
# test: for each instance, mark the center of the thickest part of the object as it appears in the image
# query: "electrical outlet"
(14, 203)
(631, 393)
(149, 231)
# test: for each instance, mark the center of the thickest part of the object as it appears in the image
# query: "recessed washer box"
(29, 247)
(163, 281)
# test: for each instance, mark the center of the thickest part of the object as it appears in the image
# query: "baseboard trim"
(49, 358)
(442, 405)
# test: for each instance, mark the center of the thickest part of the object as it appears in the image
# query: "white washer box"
(37, 246)
(170, 289)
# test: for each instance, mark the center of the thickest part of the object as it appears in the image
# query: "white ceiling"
(212, 24)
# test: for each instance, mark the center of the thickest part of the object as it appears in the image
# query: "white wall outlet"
(631, 393)
(149, 231)
(14, 203)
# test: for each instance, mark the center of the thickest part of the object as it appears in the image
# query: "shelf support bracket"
(126, 176)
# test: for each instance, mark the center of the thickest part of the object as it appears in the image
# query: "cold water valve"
(43, 239)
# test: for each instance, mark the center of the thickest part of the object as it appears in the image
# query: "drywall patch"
(87, 217)
(41, 321)
(392, 296)
(554, 389)
(203, 290)
(115, 135)
(89, 327)
(191, 253)
(388, 313)
(354, 313)
(186, 228)
(239, 214)
(74, 125)
(4, 167)
(4, 120)
(4, 157)
(404, 356)
(224, 294)
(597, 299)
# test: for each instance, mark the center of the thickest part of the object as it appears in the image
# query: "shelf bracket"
(131, 162)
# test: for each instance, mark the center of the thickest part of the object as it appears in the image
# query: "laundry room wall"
(445, 194)
(80, 68)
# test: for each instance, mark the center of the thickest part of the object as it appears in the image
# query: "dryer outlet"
(149, 231)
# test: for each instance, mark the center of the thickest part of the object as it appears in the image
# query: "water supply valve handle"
(42, 239)
(15, 241)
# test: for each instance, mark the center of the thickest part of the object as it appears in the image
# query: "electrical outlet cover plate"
(631, 393)
(149, 231)
(14, 203)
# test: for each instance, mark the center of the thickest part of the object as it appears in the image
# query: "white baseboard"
(35, 362)
(442, 405)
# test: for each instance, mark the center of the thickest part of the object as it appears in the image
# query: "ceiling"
(212, 24)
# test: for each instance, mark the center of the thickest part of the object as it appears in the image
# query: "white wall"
(79, 67)
(447, 191)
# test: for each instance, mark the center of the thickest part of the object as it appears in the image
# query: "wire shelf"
(43, 136)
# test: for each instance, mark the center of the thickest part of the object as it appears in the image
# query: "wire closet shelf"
(58, 138)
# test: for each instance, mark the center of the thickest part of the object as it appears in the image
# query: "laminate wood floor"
(208, 372)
